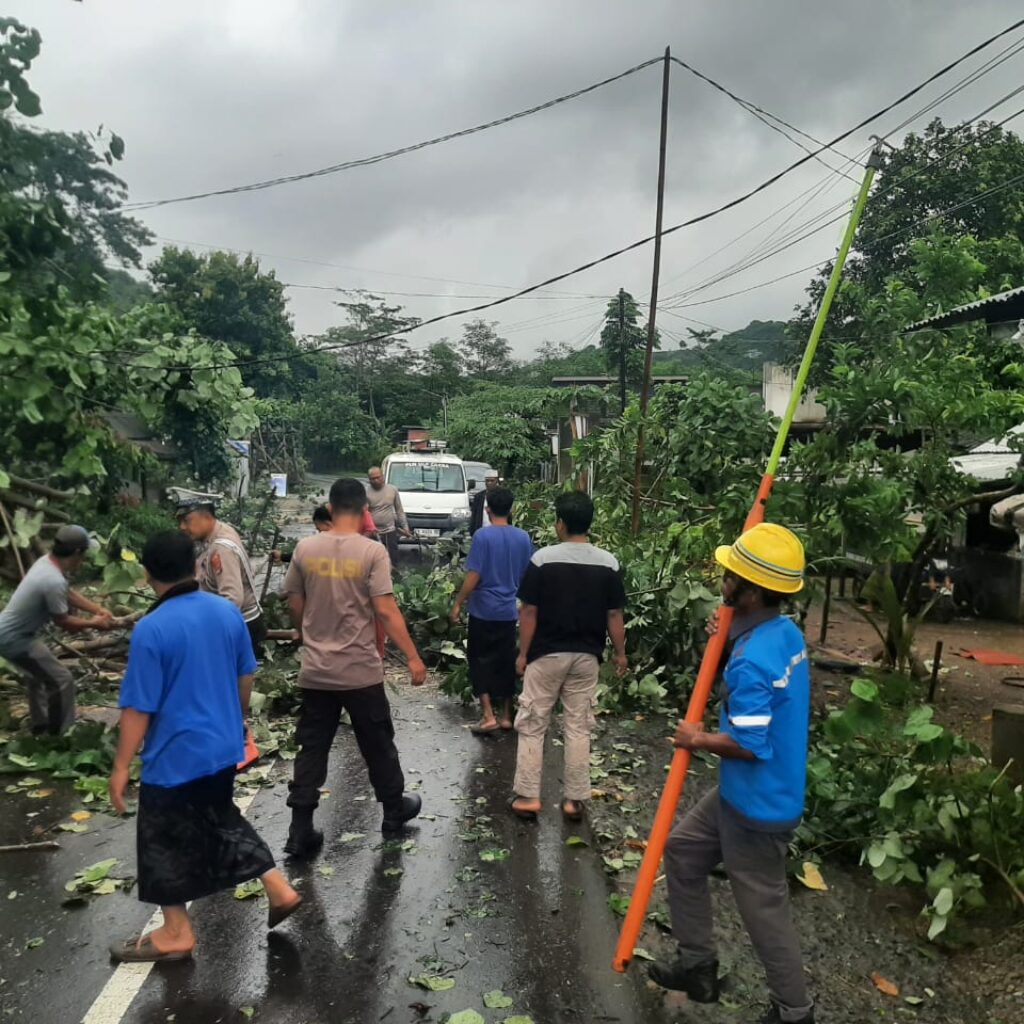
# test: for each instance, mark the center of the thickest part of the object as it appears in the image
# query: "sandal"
(521, 812)
(278, 914)
(484, 730)
(572, 810)
(141, 950)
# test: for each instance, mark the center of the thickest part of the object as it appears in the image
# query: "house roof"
(1006, 306)
(131, 429)
(571, 382)
(991, 461)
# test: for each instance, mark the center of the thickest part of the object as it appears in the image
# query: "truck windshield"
(438, 477)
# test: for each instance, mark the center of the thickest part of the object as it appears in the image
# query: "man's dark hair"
(347, 495)
(499, 501)
(169, 556)
(576, 510)
(321, 514)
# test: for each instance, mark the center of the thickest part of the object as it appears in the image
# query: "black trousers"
(370, 712)
(258, 635)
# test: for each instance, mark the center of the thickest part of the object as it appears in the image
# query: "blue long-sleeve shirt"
(766, 710)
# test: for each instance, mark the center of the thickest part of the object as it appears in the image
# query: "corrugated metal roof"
(1009, 305)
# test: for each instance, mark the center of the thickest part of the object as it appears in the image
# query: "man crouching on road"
(184, 693)
(747, 821)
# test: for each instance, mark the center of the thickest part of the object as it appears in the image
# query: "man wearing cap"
(44, 596)
(223, 566)
(478, 517)
(747, 821)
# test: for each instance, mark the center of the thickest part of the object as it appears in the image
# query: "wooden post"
(645, 385)
(936, 662)
(826, 608)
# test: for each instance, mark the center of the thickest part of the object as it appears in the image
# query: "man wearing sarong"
(497, 560)
(183, 698)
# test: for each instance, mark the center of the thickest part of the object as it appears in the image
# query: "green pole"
(823, 310)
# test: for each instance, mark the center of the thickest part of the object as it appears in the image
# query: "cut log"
(43, 489)
(33, 504)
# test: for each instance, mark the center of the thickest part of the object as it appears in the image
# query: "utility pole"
(622, 348)
(645, 385)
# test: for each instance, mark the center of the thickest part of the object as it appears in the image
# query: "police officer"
(747, 821)
(222, 564)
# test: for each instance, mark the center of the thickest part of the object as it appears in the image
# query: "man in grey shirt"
(44, 596)
(388, 514)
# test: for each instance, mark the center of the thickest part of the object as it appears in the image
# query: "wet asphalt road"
(535, 925)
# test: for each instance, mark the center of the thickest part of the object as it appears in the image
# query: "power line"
(764, 116)
(367, 161)
(422, 295)
(990, 65)
(345, 266)
(633, 245)
(791, 239)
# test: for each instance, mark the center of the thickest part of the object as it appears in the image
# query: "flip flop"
(142, 951)
(572, 810)
(520, 813)
(484, 730)
(278, 914)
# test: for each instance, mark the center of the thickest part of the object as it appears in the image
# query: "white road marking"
(126, 982)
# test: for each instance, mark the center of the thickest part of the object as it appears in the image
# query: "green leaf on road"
(576, 841)
(34, 943)
(519, 1018)
(466, 1017)
(351, 837)
(497, 1000)
(393, 872)
(247, 890)
(491, 856)
(433, 982)
(641, 954)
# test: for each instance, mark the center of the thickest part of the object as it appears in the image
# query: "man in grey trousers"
(747, 821)
(44, 596)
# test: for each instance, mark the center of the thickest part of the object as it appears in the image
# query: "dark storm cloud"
(213, 94)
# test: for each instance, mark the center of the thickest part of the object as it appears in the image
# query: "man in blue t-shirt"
(183, 697)
(747, 821)
(497, 561)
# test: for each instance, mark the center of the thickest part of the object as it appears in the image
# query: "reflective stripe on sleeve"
(750, 721)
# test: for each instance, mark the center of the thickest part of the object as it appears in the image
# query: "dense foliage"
(917, 803)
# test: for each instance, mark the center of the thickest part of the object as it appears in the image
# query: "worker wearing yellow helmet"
(747, 821)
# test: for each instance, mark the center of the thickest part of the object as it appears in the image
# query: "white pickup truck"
(434, 492)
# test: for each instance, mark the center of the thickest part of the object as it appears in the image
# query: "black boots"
(700, 983)
(398, 813)
(303, 841)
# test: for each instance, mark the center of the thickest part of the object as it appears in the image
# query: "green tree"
(900, 407)
(504, 425)
(60, 205)
(228, 298)
(931, 174)
(624, 340)
(486, 355)
(373, 352)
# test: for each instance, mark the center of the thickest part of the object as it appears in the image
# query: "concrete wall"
(777, 386)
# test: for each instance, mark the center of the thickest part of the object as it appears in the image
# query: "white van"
(434, 492)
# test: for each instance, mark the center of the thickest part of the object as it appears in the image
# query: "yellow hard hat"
(770, 556)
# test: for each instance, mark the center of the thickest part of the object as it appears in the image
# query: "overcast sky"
(218, 93)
